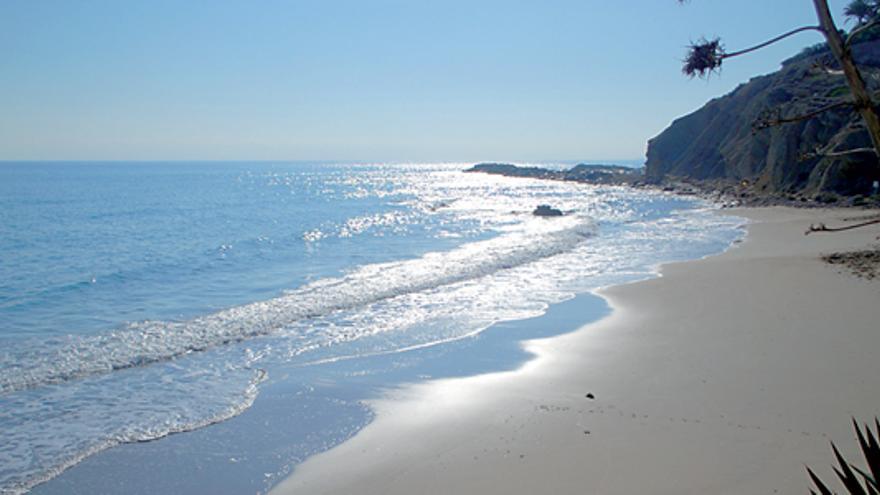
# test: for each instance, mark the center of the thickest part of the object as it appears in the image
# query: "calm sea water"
(140, 300)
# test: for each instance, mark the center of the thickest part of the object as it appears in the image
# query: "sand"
(724, 375)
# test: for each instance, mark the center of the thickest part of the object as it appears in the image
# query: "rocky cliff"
(717, 142)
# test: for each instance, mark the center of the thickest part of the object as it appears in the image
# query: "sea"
(201, 327)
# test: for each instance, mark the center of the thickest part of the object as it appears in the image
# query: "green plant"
(825, 197)
(862, 483)
(838, 91)
(860, 10)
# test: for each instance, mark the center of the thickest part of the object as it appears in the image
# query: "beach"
(727, 374)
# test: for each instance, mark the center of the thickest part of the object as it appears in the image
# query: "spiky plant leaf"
(823, 490)
(871, 451)
(846, 475)
(872, 455)
(869, 480)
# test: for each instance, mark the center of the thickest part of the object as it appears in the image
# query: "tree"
(706, 56)
(860, 10)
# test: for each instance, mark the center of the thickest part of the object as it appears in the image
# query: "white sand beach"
(725, 376)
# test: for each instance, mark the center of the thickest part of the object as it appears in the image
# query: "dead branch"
(860, 29)
(774, 40)
(831, 154)
(822, 228)
(764, 122)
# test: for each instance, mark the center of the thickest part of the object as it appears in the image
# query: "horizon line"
(306, 160)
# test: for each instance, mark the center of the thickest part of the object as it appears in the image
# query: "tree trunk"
(843, 54)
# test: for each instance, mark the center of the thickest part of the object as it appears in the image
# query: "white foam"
(144, 343)
(44, 444)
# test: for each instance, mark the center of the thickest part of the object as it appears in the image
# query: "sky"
(366, 80)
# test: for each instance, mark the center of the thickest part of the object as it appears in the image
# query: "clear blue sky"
(363, 79)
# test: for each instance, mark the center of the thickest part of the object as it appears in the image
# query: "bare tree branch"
(774, 40)
(818, 153)
(763, 122)
(846, 152)
(860, 29)
(822, 228)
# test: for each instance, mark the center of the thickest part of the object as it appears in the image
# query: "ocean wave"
(23, 474)
(38, 363)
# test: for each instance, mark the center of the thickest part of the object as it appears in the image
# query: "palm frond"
(703, 57)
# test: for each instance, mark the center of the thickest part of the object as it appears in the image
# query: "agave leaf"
(853, 487)
(846, 475)
(869, 481)
(871, 450)
(823, 490)
(869, 447)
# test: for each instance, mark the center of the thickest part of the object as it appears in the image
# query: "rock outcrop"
(717, 142)
(546, 211)
(588, 173)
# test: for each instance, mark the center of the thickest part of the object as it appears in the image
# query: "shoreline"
(735, 398)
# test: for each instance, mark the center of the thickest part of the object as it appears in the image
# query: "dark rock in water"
(546, 211)
(510, 170)
(717, 142)
(588, 173)
(590, 396)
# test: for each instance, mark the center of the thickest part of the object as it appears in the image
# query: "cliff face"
(717, 141)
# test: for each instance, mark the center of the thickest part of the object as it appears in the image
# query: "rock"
(546, 211)
(583, 172)
(510, 170)
(602, 174)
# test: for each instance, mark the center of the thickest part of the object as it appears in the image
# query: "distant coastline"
(724, 192)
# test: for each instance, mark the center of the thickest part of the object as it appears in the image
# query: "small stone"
(590, 396)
